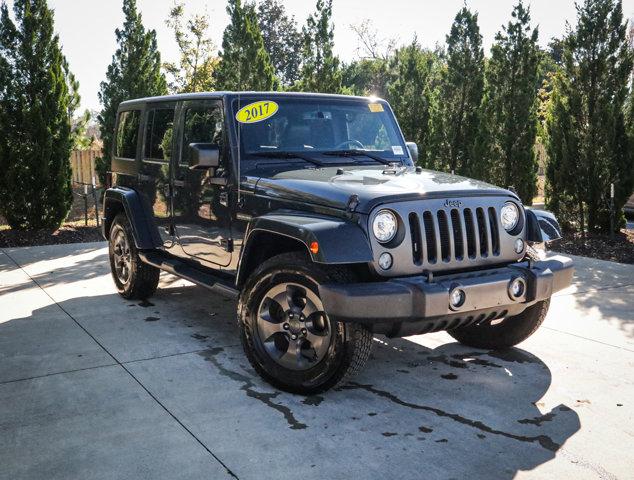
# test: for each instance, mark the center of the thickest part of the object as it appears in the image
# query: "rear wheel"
(287, 336)
(133, 278)
(506, 334)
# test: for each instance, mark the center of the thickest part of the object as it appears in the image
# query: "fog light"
(457, 298)
(517, 287)
(519, 245)
(385, 261)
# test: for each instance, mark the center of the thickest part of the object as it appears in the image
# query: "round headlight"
(509, 216)
(384, 226)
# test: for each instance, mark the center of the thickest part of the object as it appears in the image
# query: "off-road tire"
(510, 332)
(143, 279)
(350, 344)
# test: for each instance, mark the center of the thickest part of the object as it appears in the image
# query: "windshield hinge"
(353, 203)
(227, 244)
(223, 199)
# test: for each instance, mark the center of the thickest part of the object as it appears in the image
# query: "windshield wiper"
(301, 156)
(360, 153)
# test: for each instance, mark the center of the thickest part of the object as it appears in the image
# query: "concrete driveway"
(96, 387)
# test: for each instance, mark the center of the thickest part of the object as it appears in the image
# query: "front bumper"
(414, 305)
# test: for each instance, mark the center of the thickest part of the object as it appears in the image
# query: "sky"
(86, 27)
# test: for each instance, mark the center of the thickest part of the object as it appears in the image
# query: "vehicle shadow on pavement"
(418, 410)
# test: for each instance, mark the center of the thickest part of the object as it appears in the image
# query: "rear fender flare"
(146, 235)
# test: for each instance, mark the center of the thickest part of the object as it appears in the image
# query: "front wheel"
(288, 338)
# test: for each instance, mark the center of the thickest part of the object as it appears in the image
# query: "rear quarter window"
(159, 131)
(127, 135)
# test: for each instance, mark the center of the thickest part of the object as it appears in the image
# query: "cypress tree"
(135, 72)
(244, 62)
(412, 92)
(461, 93)
(367, 76)
(588, 143)
(321, 71)
(282, 40)
(35, 111)
(509, 125)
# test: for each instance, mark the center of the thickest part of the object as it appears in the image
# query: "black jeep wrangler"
(309, 208)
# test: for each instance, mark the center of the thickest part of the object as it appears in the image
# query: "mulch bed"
(66, 234)
(73, 230)
(618, 249)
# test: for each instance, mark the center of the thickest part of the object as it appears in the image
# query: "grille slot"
(417, 243)
(472, 247)
(495, 234)
(443, 229)
(483, 227)
(457, 229)
(430, 236)
(454, 235)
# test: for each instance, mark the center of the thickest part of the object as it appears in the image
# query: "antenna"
(239, 128)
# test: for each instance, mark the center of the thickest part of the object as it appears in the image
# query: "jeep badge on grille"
(453, 203)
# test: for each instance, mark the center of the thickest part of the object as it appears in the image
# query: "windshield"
(317, 127)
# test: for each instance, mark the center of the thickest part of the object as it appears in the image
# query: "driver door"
(202, 217)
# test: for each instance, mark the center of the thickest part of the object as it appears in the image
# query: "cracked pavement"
(94, 386)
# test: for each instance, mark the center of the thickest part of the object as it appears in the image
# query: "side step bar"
(181, 269)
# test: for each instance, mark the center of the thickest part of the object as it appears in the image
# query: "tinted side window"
(202, 125)
(127, 134)
(158, 134)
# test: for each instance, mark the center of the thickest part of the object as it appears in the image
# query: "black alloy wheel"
(287, 336)
(133, 278)
(293, 326)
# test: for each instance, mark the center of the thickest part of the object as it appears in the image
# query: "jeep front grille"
(454, 235)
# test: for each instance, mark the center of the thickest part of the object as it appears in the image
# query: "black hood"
(373, 186)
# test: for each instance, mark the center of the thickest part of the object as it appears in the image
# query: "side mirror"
(203, 156)
(413, 151)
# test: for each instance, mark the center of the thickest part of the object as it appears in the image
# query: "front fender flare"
(340, 241)
(542, 226)
(146, 235)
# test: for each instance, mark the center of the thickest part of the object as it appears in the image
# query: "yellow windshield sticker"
(256, 112)
(376, 107)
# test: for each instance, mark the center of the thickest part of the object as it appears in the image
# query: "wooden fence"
(83, 165)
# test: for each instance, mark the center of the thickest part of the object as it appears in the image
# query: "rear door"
(201, 210)
(157, 152)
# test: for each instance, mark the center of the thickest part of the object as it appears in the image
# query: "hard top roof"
(230, 95)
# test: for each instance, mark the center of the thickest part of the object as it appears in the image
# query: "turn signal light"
(314, 248)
